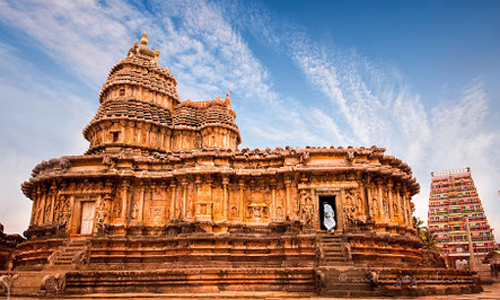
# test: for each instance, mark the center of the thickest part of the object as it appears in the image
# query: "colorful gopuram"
(454, 204)
(165, 202)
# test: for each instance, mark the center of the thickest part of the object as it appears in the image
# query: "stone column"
(408, 210)
(403, 202)
(210, 184)
(225, 196)
(35, 217)
(173, 204)
(273, 200)
(241, 200)
(189, 203)
(288, 184)
(71, 228)
(53, 194)
(43, 202)
(366, 195)
(389, 201)
(184, 198)
(197, 195)
(339, 208)
(142, 192)
(125, 206)
(380, 197)
(370, 210)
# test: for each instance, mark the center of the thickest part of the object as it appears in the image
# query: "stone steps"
(299, 280)
(332, 250)
(67, 253)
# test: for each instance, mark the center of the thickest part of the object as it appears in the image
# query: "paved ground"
(491, 292)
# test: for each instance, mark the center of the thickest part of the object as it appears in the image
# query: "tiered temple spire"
(454, 203)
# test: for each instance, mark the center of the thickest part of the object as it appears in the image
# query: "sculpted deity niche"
(165, 192)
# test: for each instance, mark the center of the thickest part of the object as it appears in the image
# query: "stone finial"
(144, 39)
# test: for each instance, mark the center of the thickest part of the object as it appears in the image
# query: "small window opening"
(116, 136)
(122, 92)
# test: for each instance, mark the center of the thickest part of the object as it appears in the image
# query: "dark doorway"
(330, 200)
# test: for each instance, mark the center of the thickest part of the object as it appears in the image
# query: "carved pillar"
(241, 191)
(173, 204)
(225, 196)
(273, 200)
(184, 184)
(288, 184)
(53, 194)
(210, 184)
(189, 202)
(389, 201)
(409, 209)
(125, 206)
(371, 212)
(43, 202)
(339, 208)
(197, 197)
(403, 202)
(142, 192)
(380, 197)
(366, 191)
(35, 218)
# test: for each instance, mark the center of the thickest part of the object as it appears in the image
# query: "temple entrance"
(87, 222)
(330, 200)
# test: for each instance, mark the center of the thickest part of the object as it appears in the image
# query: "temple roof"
(139, 90)
(140, 68)
(203, 113)
(135, 110)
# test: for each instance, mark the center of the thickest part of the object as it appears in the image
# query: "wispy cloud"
(40, 119)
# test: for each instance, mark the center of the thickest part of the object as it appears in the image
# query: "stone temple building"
(164, 201)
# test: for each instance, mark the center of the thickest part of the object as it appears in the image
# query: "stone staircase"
(73, 252)
(331, 251)
(337, 275)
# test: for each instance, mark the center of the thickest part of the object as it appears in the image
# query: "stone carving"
(108, 162)
(81, 258)
(102, 215)
(432, 259)
(375, 208)
(62, 211)
(350, 155)
(304, 157)
(65, 163)
(306, 208)
(385, 207)
(234, 212)
(53, 283)
(7, 282)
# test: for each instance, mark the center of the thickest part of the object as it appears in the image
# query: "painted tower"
(454, 203)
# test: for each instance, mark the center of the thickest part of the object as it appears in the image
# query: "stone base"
(363, 281)
(191, 281)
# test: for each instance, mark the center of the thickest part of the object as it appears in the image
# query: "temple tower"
(454, 203)
(141, 111)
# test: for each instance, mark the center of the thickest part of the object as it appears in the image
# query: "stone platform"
(491, 292)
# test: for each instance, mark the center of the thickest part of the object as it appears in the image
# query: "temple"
(163, 201)
(457, 218)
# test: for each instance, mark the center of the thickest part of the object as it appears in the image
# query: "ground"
(491, 292)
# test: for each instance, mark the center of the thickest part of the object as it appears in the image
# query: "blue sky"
(420, 78)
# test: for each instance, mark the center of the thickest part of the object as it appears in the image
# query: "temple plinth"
(164, 201)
